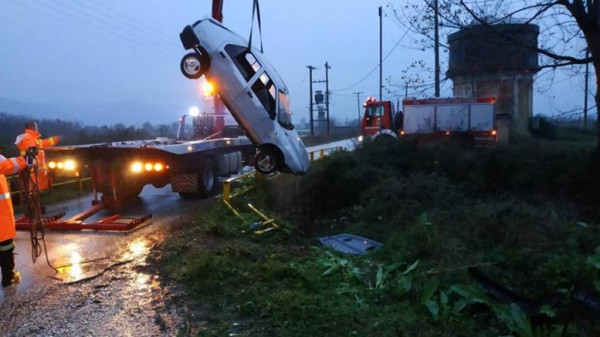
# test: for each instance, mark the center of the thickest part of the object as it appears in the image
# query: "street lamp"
(193, 111)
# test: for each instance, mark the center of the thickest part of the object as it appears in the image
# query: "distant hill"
(126, 112)
(77, 132)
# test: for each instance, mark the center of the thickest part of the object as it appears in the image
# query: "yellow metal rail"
(323, 152)
(227, 185)
(259, 226)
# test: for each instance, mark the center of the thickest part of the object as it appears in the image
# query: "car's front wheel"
(194, 65)
(267, 161)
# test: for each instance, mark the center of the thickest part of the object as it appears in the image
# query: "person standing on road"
(33, 138)
(7, 221)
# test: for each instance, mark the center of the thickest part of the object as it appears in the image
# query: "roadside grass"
(525, 215)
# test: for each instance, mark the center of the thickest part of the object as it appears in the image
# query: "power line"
(377, 66)
(71, 19)
(132, 31)
(130, 24)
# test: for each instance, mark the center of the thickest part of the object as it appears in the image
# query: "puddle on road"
(73, 267)
(137, 248)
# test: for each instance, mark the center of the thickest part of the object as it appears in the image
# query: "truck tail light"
(66, 165)
(139, 166)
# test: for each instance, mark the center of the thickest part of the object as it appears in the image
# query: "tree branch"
(565, 59)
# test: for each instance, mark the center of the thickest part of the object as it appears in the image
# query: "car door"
(259, 106)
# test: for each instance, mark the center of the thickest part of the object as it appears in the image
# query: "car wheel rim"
(191, 66)
(266, 163)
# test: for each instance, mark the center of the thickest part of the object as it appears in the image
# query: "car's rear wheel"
(194, 65)
(267, 161)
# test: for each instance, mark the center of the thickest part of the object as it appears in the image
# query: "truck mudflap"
(185, 183)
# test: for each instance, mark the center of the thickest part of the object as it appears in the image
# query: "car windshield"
(244, 60)
(284, 115)
(375, 111)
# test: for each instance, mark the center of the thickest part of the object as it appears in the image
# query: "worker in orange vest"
(33, 138)
(7, 220)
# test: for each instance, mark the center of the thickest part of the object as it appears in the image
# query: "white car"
(251, 90)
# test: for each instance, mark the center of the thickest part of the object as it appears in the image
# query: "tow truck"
(120, 170)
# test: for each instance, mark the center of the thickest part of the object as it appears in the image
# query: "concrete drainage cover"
(350, 243)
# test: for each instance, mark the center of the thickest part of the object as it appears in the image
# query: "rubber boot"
(7, 265)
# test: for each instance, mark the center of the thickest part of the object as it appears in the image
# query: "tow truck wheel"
(208, 178)
(266, 161)
(194, 65)
(207, 181)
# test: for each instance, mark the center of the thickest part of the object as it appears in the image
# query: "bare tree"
(570, 29)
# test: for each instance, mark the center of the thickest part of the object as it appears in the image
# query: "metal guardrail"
(323, 152)
(227, 188)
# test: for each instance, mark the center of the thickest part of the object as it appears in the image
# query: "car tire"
(194, 65)
(267, 161)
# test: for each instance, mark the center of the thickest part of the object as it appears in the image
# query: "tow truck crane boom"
(217, 10)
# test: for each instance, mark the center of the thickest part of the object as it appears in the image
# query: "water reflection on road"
(80, 255)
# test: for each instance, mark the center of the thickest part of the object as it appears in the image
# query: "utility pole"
(585, 91)
(310, 71)
(327, 67)
(436, 38)
(381, 53)
(358, 105)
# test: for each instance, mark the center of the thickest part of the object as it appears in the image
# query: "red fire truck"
(432, 118)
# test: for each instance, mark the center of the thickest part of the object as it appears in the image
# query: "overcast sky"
(105, 51)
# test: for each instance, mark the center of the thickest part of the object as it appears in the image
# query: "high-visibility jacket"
(7, 220)
(33, 138)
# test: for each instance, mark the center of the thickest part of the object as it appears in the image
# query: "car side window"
(265, 91)
(244, 60)
(284, 115)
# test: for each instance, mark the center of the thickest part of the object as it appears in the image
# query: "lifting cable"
(255, 12)
(32, 209)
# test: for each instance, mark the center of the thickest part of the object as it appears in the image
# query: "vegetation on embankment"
(526, 215)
